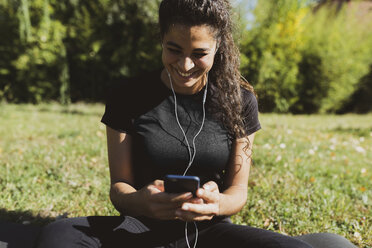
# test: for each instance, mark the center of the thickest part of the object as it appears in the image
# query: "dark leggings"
(115, 231)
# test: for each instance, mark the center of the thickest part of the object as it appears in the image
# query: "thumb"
(159, 185)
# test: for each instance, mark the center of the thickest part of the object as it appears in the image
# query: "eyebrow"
(171, 43)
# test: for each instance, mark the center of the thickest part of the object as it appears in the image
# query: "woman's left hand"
(204, 207)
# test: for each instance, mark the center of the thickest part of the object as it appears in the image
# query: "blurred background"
(301, 56)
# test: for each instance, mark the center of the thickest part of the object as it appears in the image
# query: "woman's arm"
(233, 198)
(121, 171)
(150, 201)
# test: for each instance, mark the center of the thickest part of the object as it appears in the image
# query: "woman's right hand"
(160, 205)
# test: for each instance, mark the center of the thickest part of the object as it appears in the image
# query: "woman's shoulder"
(248, 96)
(128, 98)
(250, 111)
(142, 81)
(131, 88)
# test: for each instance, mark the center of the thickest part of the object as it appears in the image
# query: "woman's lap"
(101, 231)
(117, 231)
(328, 240)
(77, 232)
(240, 236)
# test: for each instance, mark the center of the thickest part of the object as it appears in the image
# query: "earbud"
(205, 91)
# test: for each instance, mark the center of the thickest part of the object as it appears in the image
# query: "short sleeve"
(117, 113)
(250, 112)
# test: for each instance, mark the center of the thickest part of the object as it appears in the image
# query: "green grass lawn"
(310, 173)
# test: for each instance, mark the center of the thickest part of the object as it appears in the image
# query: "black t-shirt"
(144, 108)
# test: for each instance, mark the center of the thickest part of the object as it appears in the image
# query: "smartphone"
(181, 184)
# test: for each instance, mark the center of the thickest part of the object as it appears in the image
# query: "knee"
(57, 234)
(286, 242)
(328, 240)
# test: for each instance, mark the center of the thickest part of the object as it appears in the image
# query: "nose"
(186, 63)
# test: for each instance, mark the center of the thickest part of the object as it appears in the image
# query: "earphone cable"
(196, 235)
(178, 122)
(191, 156)
(201, 127)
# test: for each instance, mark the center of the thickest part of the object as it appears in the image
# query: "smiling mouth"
(185, 75)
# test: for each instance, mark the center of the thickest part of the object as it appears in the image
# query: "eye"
(200, 55)
(175, 51)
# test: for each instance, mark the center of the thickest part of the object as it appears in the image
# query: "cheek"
(205, 63)
(168, 58)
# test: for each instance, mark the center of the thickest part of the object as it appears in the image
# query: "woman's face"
(188, 54)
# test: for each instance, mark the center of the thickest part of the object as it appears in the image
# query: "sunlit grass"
(310, 173)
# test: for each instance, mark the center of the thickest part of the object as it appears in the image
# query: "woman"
(196, 116)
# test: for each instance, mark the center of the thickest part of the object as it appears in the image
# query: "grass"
(310, 173)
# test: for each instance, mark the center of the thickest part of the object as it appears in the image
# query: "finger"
(191, 216)
(162, 211)
(156, 186)
(203, 209)
(172, 199)
(153, 189)
(181, 197)
(165, 214)
(208, 196)
(159, 184)
(210, 186)
(196, 200)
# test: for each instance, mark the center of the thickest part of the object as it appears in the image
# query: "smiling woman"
(188, 55)
(195, 117)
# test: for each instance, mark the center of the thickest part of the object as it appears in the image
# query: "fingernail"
(206, 186)
(185, 207)
(188, 194)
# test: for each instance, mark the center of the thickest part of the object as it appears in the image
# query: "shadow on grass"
(15, 233)
(24, 217)
(70, 111)
(75, 110)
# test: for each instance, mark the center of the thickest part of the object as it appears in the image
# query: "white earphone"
(191, 156)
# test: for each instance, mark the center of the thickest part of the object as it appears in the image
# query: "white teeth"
(184, 74)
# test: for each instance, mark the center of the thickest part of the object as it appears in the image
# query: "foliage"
(271, 53)
(305, 61)
(36, 59)
(73, 49)
(298, 59)
(108, 40)
(335, 59)
(310, 173)
(360, 101)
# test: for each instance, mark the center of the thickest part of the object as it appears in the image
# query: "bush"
(107, 41)
(335, 58)
(34, 56)
(71, 50)
(360, 101)
(271, 53)
(302, 61)
(298, 60)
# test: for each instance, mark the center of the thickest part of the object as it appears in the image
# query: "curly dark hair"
(225, 78)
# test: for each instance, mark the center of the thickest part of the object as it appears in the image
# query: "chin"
(185, 84)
